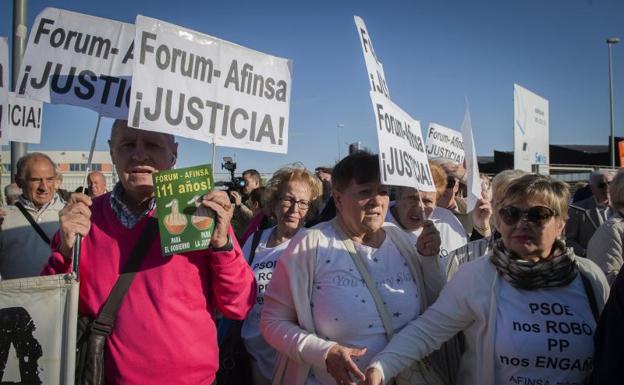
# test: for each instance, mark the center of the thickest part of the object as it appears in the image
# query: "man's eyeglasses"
(537, 215)
(288, 202)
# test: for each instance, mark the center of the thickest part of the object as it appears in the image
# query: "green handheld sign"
(184, 223)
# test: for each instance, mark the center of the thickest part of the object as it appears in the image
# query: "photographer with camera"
(243, 212)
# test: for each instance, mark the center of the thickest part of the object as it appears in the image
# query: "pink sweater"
(165, 331)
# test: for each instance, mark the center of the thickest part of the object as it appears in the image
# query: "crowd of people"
(340, 279)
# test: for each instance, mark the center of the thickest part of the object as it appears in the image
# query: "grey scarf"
(557, 271)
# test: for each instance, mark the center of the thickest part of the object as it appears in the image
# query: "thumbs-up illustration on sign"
(175, 222)
(203, 217)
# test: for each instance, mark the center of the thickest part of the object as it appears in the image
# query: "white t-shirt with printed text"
(544, 336)
(343, 309)
(263, 264)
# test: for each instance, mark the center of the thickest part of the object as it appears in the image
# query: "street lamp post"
(338, 127)
(610, 42)
(20, 30)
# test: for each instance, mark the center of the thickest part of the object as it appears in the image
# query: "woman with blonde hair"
(528, 309)
(478, 247)
(292, 194)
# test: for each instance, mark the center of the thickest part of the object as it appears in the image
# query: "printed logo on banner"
(402, 154)
(16, 331)
(374, 67)
(445, 143)
(24, 119)
(4, 88)
(38, 330)
(200, 87)
(81, 60)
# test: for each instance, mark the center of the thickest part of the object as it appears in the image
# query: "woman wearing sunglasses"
(527, 309)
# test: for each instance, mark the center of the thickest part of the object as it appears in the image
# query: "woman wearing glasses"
(527, 309)
(292, 192)
(320, 312)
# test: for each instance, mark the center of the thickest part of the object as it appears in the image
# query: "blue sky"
(436, 53)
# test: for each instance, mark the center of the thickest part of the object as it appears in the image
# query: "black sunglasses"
(450, 182)
(537, 215)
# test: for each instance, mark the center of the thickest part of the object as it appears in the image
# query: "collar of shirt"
(31, 206)
(121, 210)
(600, 205)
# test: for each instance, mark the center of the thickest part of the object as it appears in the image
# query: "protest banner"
(38, 330)
(24, 119)
(81, 60)
(374, 67)
(445, 143)
(531, 131)
(4, 87)
(197, 86)
(472, 165)
(184, 223)
(402, 154)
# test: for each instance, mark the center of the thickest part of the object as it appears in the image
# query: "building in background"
(72, 165)
(568, 162)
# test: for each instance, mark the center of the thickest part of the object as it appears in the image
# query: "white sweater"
(287, 323)
(467, 303)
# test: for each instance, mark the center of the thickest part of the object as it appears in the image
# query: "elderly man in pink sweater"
(164, 332)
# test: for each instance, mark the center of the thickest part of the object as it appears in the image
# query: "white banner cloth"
(402, 155)
(197, 86)
(81, 60)
(445, 143)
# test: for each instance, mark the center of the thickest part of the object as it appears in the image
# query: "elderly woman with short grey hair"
(342, 287)
(605, 246)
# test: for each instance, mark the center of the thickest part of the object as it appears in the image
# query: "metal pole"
(338, 127)
(20, 32)
(610, 42)
(214, 159)
(91, 151)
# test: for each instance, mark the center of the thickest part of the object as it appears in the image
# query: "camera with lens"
(236, 183)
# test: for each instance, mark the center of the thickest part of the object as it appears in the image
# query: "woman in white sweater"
(319, 312)
(292, 193)
(528, 309)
